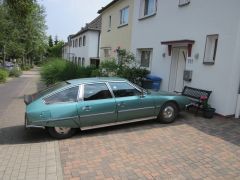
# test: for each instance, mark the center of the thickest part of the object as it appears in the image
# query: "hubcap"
(168, 112)
(62, 130)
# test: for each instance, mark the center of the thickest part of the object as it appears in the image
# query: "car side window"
(123, 89)
(67, 95)
(96, 92)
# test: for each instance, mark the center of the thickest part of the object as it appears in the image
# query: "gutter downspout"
(98, 50)
(237, 56)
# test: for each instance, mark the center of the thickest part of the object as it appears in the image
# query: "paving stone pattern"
(191, 148)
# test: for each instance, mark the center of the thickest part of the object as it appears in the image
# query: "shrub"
(15, 72)
(25, 67)
(56, 70)
(3, 75)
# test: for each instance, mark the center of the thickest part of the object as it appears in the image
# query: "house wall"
(116, 36)
(195, 21)
(87, 51)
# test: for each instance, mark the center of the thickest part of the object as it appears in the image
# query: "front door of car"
(130, 102)
(97, 106)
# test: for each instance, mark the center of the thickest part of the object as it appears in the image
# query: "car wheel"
(61, 132)
(168, 113)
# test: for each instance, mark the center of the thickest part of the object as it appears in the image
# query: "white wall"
(89, 50)
(195, 21)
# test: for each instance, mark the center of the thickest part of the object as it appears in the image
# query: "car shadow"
(21, 135)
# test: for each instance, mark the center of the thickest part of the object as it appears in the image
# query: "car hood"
(163, 93)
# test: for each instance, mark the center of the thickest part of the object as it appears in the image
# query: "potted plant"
(208, 111)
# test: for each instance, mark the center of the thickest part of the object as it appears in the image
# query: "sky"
(65, 17)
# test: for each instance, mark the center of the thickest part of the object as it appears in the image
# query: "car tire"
(61, 132)
(168, 113)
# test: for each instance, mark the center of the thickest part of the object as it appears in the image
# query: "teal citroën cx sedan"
(97, 102)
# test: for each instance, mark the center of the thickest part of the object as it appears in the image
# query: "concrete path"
(24, 154)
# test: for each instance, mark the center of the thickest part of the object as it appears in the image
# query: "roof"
(94, 25)
(96, 79)
(107, 6)
(184, 41)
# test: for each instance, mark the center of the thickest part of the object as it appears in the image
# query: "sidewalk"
(25, 154)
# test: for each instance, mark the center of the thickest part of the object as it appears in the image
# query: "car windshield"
(50, 89)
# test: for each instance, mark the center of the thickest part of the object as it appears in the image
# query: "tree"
(56, 40)
(50, 41)
(23, 28)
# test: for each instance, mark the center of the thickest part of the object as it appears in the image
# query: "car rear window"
(51, 89)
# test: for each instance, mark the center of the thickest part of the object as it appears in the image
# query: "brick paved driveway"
(190, 148)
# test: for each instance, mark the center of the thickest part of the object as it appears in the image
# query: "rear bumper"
(28, 125)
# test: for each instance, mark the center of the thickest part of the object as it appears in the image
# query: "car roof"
(94, 80)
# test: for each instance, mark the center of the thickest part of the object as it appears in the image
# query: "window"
(73, 43)
(83, 62)
(68, 95)
(110, 23)
(80, 41)
(149, 7)
(96, 92)
(145, 57)
(106, 53)
(79, 61)
(183, 3)
(76, 43)
(75, 60)
(210, 49)
(84, 40)
(124, 16)
(123, 89)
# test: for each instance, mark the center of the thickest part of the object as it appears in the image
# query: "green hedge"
(3, 75)
(15, 72)
(56, 70)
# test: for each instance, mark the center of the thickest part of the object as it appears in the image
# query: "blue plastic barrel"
(156, 82)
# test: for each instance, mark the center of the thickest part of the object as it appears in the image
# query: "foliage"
(55, 50)
(56, 70)
(3, 75)
(25, 67)
(126, 67)
(15, 72)
(50, 41)
(22, 34)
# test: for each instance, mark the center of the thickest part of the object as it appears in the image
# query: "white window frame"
(122, 16)
(143, 8)
(140, 51)
(211, 49)
(109, 23)
(106, 50)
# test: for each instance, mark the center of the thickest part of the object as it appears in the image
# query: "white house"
(191, 42)
(84, 45)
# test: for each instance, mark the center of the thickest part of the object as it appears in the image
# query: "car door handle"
(122, 104)
(86, 108)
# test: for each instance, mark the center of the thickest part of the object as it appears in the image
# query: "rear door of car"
(97, 105)
(62, 108)
(131, 104)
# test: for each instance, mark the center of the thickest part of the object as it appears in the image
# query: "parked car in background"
(98, 102)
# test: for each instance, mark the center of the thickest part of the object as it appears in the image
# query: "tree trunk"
(4, 56)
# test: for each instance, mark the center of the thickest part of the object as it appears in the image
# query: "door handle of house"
(86, 108)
